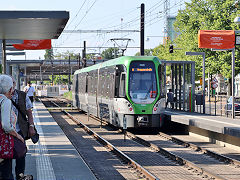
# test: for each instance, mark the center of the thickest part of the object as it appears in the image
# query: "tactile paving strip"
(44, 165)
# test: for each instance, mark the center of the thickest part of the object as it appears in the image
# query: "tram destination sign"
(141, 69)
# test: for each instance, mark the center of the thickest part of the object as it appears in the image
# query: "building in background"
(171, 33)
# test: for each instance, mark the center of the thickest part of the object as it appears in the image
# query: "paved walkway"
(53, 157)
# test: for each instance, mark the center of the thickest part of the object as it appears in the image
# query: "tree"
(207, 15)
(48, 54)
(65, 55)
(110, 53)
(147, 52)
(202, 15)
(59, 79)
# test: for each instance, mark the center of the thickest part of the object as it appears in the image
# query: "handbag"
(20, 148)
(6, 144)
(35, 137)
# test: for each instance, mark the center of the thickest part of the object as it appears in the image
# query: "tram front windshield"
(142, 82)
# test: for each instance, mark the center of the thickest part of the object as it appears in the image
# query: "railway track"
(197, 170)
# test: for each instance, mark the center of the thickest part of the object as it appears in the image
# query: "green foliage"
(68, 95)
(65, 55)
(59, 79)
(90, 55)
(147, 52)
(202, 15)
(48, 54)
(110, 52)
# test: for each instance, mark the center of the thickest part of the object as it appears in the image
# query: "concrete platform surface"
(53, 157)
(218, 124)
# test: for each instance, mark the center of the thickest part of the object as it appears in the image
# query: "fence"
(219, 105)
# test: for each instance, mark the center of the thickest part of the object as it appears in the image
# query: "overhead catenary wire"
(134, 20)
(76, 14)
(153, 15)
(88, 10)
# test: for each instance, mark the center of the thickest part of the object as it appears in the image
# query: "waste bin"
(199, 99)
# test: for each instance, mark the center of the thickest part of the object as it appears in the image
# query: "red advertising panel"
(216, 39)
(34, 44)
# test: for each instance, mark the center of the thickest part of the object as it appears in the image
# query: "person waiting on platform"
(170, 98)
(22, 107)
(30, 91)
(8, 121)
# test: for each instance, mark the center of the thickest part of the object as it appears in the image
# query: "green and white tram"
(127, 88)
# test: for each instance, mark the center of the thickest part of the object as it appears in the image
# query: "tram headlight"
(130, 108)
(159, 106)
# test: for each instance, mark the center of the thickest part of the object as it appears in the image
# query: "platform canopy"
(32, 25)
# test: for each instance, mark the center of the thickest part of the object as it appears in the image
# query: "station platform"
(53, 157)
(222, 126)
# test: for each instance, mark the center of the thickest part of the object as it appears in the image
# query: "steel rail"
(215, 155)
(146, 174)
(156, 148)
(174, 157)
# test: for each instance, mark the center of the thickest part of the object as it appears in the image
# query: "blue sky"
(101, 14)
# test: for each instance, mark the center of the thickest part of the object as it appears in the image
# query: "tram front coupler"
(142, 120)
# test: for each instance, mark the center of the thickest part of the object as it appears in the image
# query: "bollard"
(215, 106)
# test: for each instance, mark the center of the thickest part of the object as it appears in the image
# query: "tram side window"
(91, 83)
(117, 81)
(101, 82)
(95, 81)
(86, 88)
(109, 82)
(75, 83)
(112, 81)
(122, 85)
(161, 80)
(81, 84)
(120, 80)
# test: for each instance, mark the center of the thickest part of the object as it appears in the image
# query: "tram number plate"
(124, 123)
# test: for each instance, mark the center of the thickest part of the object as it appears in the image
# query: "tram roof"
(120, 60)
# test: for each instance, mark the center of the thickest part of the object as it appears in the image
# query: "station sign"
(34, 44)
(216, 39)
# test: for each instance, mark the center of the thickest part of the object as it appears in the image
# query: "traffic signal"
(171, 49)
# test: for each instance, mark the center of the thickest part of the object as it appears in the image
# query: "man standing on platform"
(22, 107)
(170, 99)
(30, 91)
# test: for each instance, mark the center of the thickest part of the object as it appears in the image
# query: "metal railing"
(218, 105)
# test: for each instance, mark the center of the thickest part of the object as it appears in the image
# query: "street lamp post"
(203, 76)
(233, 82)
(237, 21)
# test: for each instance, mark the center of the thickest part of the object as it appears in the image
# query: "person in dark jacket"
(170, 98)
(22, 107)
